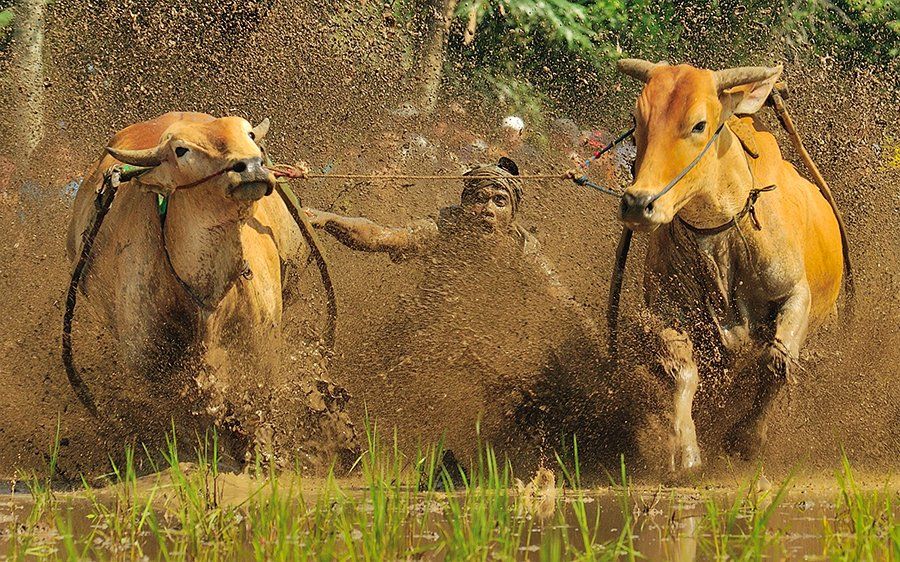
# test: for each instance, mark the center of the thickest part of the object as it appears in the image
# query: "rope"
(690, 166)
(584, 181)
(615, 292)
(102, 203)
(777, 101)
(295, 173)
(295, 208)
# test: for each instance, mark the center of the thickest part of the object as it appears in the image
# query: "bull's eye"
(699, 127)
(252, 135)
(181, 151)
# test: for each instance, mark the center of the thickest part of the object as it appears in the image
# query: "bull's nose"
(636, 206)
(248, 166)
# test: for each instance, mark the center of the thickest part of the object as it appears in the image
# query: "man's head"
(492, 193)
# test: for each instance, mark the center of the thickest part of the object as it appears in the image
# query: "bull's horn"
(147, 157)
(636, 68)
(731, 77)
(259, 131)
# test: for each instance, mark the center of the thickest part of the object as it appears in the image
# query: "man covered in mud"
(482, 226)
(489, 336)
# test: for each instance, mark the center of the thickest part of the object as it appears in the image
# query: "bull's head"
(676, 115)
(222, 154)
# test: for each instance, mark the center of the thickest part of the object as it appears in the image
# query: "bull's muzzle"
(636, 210)
(250, 179)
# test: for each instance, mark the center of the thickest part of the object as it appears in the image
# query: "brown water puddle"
(667, 523)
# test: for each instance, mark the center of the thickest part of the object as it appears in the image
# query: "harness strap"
(204, 179)
(615, 292)
(585, 182)
(583, 179)
(749, 209)
(162, 210)
(106, 194)
(295, 208)
(777, 101)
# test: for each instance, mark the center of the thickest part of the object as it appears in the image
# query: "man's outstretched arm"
(362, 234)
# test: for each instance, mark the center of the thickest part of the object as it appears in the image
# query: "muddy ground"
(501, 353)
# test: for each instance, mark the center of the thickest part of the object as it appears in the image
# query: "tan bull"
(744, 253)
(204, 279)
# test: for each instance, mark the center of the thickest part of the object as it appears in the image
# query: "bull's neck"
(728, 186)
(203, 239)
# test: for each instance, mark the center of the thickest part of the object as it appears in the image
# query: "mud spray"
(485, 346)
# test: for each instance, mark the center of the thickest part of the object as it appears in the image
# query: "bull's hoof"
(684, 463)
(690, 459)
(781, 364)
(685, 475)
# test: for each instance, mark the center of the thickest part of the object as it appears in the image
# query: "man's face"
(491, 209)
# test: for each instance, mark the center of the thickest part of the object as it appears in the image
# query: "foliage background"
(565, 48)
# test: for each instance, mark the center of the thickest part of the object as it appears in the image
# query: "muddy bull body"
(187, 266)
(745, 255)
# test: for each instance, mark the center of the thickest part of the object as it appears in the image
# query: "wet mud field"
(488, 359)
(499, 352)
(191, 511)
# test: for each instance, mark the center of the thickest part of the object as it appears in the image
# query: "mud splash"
(502, 354)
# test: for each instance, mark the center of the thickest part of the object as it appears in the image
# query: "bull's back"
(805, 209)
(147, 134)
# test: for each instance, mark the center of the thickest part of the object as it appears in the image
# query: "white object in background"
(514, 123)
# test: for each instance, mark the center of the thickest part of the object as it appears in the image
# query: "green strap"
(129, 172)
(162, 204)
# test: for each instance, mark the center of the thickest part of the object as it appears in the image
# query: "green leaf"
(6, 19)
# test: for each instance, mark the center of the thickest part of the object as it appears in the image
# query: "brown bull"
(204, 278)
(744, 253)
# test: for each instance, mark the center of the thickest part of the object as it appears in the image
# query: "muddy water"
(665, 523)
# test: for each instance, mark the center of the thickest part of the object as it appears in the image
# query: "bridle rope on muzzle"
(618, 275)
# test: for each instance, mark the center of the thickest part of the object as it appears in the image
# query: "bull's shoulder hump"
(768, 144)
(147, 134)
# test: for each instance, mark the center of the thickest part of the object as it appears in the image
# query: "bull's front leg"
(780, 361)
(791, 325)
(677, 360)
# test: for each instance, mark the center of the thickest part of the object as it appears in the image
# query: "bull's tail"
(788, 123)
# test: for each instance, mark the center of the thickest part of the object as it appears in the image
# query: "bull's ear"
(746, 94)
(259, 131)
